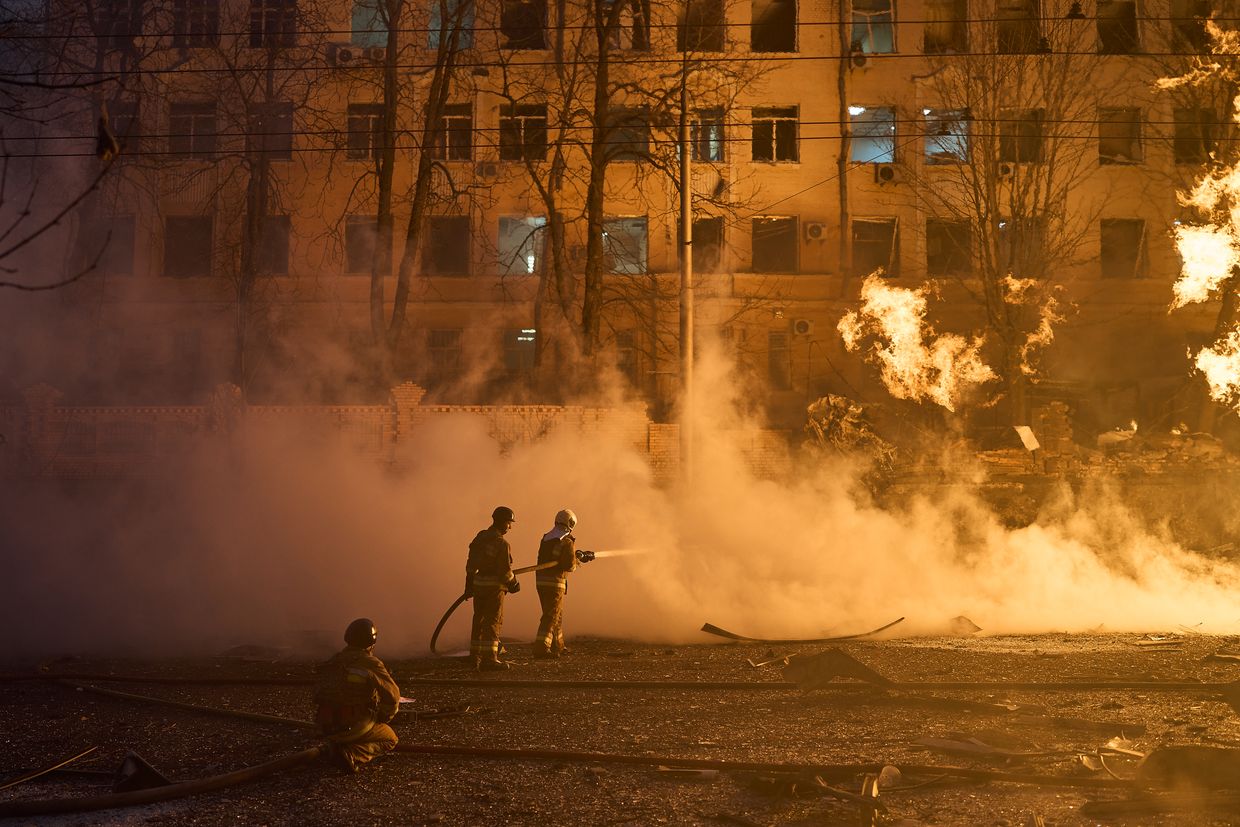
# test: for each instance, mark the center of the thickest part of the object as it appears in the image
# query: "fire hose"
(583, 556)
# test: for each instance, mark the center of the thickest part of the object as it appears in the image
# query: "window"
(778, 360)
(624, 245)
(519, 346)
(365, 137)
(632, 29)
(949, 248)
(1021, 246)
(1123, 248)
(873, 30)
(1188, 24)
(522, 24)
(368, 23)
(630, 135)
(522, 132)
(117, 22)
(273, 23)
(701, 27)
(1196, 135)
(1018, 29)
(459, 15)
(947, 135)
(1117, 27)
(707, 244)
(774, 26)
(195, 23)
(107, 245)
(1119, 136)
(271, 131)
(125, 124)
(191, 130)
(521, 245)
(945, 31)
(873, 134)
(775, 244)
(1020, 135)
(453, 139)
(447, 245)
(627, 356)
(775, 134)
(706, 134)
(187, 246)
(875, 245)
(361, 233)
(273, 244)
(444, 349)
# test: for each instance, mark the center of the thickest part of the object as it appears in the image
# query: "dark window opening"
(447, 245)
(365, 131)
(271, 131)
(628, 358)
(875, 245)
(775, 244)
(1196, 135)
(522, 132)
(1021, 246)
(125, 125)
(778, 360)
(946, 31)
(361, 234)
(1117, 27)
(629, 135)
(702, 27)
(1119, 136)
(118, 22)
(949, 248)
(444, 349)
(523, 24)
(707, 244)
(195, 23)
(273, 246)
(706, 135)
(624, 245)
(1188, 24)
(192, 130)
(775, 134)
(187, 246)
(774, 26)
(1123, 248)
(273, 23)
(453, 139)
(1020, 136)
(519, 347)
(1018, 27)
(631, 30)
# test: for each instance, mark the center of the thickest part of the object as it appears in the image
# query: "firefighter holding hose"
(558, 547)
(356, 698)
(488, 577)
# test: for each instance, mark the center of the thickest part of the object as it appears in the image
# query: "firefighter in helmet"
(488, 577)
(356, 698)
(557, 546)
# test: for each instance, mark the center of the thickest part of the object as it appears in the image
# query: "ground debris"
(1192, 766)
(963, 744)
(816, 671)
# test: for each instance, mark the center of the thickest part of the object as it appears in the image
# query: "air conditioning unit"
(342, 54)
(802, 327)
(885, 174)
(815, 231)
(486, 169)
(857, 55)
(376, 54)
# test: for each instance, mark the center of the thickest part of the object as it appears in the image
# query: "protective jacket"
(562, 551)
(490, 561)
(354, 692)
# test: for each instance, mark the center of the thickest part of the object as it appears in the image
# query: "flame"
(915, 362)
(1220, 365)
(1209, 255)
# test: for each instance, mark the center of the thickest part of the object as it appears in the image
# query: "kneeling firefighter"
(558, 546)
(356, 698)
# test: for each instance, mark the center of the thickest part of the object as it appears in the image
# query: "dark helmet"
(503, 514)
(361, 633)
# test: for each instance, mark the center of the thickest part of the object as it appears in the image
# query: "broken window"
(447, 245)
(707, 244)
(124, 122)
(273, 245)
(949, 248)
(875, 246)
(271, 131)
(1117, 27)
(947, 135)
(117, 22)
(774, 25)
(1196, 135)
(1020, 135)
(778, 360)
(631, 31)
(365, 135)
(195, 23)
(873, 134)
(522, 132)
(191, 130)
(523, 24)
(1021, 246)
(706, 134)
(946, 31)
(521, 244)
(444, 349)
(775, 134)
(624, 245)
(775, 244)
(453, 138)
(361, 233)
(1018, 29)
(187, 246)
(873, 27)
(1188, 24)
(519, 346)
(1123, 248)
(1119, 136)
(447, 15)
(273, 23)
(629, 135)
(701, 27)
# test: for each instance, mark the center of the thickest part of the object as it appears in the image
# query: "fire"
(915, 361)
(1209, 254)
(1220, 365)
(1018, 291)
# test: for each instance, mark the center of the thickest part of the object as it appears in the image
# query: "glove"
(469, 586)
(514, 586)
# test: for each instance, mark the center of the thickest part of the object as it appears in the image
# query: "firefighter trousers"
(550, 636)
(488, 620)
(364, 748)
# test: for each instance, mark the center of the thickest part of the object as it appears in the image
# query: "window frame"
(766, 254)
(522, 122)
(194, 250)
(866, 23)
(193, 130)
(892, 242)
(766, 124)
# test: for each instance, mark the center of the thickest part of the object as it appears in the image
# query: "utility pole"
(686, 272)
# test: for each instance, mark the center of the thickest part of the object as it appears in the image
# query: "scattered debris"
(712, 629)
(33, 774)
(1157, 642)
(815, 671)
(1205, 768)
(839, 425)
(770, 658)
(684, 774)
(977, 748)
(962, 626)
(135, 773)
(1145, 804)
(1225, 655)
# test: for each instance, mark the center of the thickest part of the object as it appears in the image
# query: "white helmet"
(566, 518)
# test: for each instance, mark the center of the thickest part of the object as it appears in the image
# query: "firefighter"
(356, 699)
(557, 546)
(488, 577)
